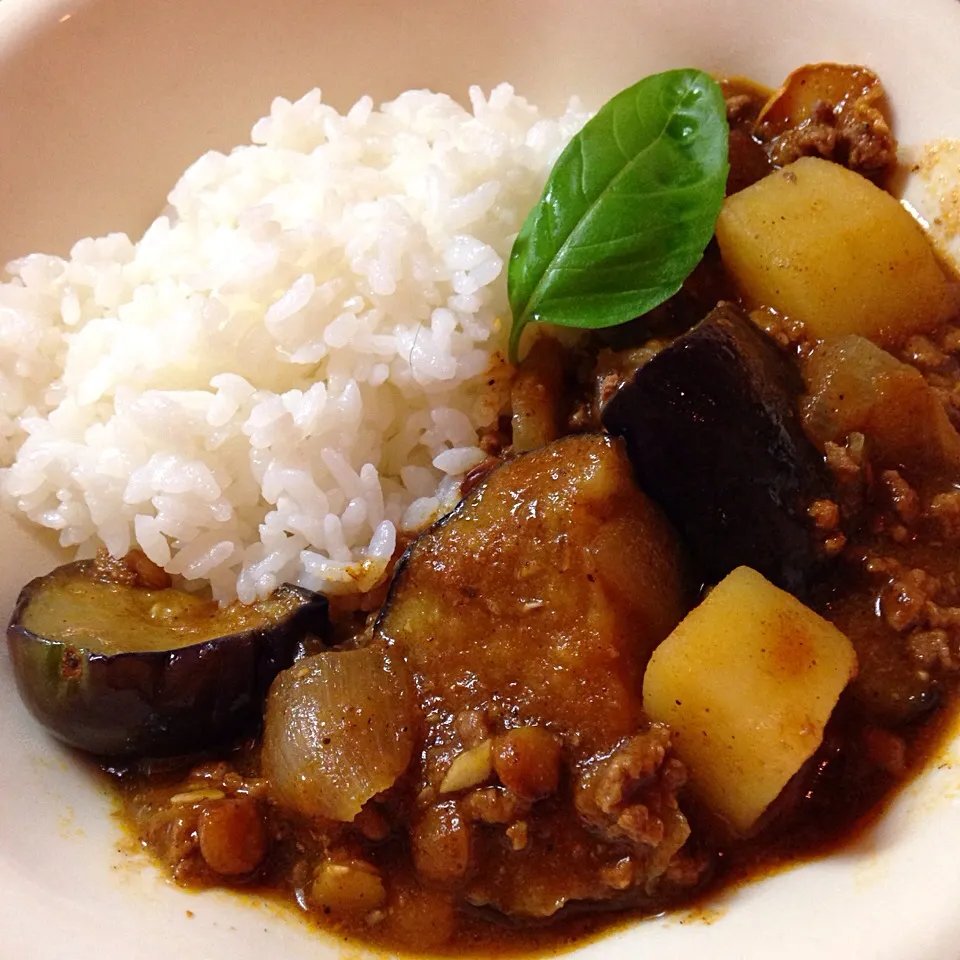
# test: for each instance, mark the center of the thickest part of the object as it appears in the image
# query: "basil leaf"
(628, 209)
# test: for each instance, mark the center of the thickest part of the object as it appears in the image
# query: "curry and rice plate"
(295, 361)
(506, 635)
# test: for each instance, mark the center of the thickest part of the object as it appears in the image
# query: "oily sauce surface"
(886, 727)
(491, 871)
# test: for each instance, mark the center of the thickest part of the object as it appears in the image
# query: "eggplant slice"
(714, 436)
(526, 618)
(122, 671)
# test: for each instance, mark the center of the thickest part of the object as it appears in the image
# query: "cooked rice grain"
(294, 360)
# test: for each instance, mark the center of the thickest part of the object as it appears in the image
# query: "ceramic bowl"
(103, 103)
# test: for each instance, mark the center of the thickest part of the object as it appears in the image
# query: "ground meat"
(857, 139)
(213, 824)
(847, 460)
(815, 137)
(905, 500)
(621, 836)
(217, 775)
(620, 875)
(632, 794)
(135, 568)
(879, 565)
(472, 726)
(907, 599)
(495, 437)
(851, 472)
(915, 604)
(931, 648)
(372, 823)
(607, 386)
(742, 107)
(944, 510)
(944, 617)
(494, 805)
(949, 397)
(825, 515)
(826, 520)
(870, 149)
(938, 359)
(604, 378)
(950, 339)
(174, 838)
(518, 834)
(924, 354)
(748, 161)
(788, 333)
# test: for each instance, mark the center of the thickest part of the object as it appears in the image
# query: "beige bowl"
(103, 103)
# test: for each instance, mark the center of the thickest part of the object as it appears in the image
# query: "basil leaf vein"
(627, 210)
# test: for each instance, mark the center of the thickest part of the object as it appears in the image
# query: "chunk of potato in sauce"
(825, 246)
(747, 682)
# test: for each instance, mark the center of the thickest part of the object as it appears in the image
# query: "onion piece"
(538, 396)
(338, 731)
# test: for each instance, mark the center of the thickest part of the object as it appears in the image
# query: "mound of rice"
(294, 361)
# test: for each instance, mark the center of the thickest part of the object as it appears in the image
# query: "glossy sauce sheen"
(103, 617)
(597, 574)
(549, 587)
(525, 619)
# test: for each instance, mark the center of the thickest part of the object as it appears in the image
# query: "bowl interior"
(102, 110)
(102, 106)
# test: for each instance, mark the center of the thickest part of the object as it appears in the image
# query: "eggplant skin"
(714, 436)
(550, 583)
(156, 703)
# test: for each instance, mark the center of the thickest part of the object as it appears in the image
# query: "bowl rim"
(23, 22)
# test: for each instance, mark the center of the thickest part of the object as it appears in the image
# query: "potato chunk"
(747, 682)
(853, 385)
(825, 246)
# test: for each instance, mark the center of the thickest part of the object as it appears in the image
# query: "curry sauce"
(539, 805)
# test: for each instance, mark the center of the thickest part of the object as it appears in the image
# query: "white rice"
(294, 361)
